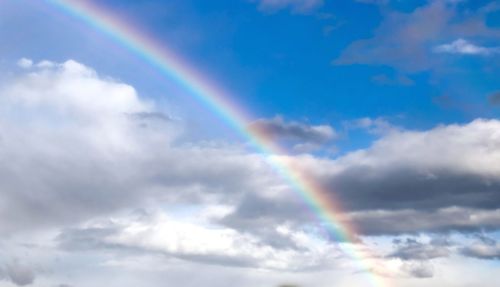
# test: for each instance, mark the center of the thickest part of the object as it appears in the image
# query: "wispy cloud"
(297, 6)
(402, 40)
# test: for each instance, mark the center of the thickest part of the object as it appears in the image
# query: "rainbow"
(171, 65)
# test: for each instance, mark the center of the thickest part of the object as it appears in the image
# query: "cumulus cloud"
(461, 46)
(403, 184)
(76, 145)
(297, 6)
(82, 150)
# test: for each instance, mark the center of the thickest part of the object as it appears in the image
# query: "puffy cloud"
(75, 145)
(461, 46)
(438, 180)
(80, 149)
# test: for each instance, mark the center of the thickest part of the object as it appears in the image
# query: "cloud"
(403, 184)
(17, 273)
(411, 221)
(461, 46)
(84, 155)
(487, 248)
(402, 167)
(25, 63)
(494, 99)
(405, 40)
(377, 126)
(383, 79)
(78, 148)
(75, 145)
(277, 128)
(483, 251)
(297, 6)
(412, 249)
(418, 269)
(156, 232)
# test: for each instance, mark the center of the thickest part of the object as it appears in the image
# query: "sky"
(114, 173)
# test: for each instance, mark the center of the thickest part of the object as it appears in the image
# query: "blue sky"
(109, 166)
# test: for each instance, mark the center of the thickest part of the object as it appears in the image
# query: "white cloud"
(461, 46)
(75, 145)
(25, 63)
(190, 239)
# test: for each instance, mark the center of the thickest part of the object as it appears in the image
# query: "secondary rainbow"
(157, 55)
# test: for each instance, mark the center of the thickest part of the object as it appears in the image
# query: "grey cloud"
(404, 184)
(402, 171)
(483, 251)
(278, 128)
(485, 248)
(19, 274)
(418, 269)
(412, 221)
(412, 249)
(403, 187)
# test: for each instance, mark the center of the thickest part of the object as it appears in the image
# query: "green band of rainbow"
(171, 65)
